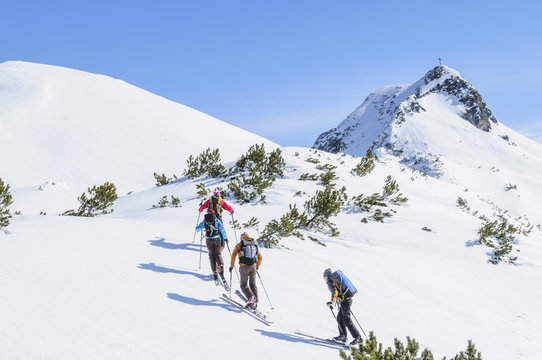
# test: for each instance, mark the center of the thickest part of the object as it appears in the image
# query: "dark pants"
(248, 280)
(344, 319)
(215, 257)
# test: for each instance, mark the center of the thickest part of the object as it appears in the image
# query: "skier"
(342, 291)
(213, 233)
(250, 260)
(216, 203)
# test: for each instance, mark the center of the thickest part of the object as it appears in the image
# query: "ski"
(255, 311)
(224, 284)
(331, 342)
(253, 314)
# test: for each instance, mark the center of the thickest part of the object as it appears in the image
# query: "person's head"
(245, 236)
(327, 274)
(210, 211)
(216, 192)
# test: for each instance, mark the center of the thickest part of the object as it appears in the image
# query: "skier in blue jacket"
(213, 231)
(341, 293)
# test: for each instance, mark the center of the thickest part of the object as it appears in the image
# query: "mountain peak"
(377, 121)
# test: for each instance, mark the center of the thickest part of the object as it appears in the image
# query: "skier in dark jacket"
(213, 232)
(341, 294)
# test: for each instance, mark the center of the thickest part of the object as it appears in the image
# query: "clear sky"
(288, 69)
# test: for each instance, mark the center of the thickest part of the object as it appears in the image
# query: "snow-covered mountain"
(129, 285)
(440, 125)
(67, 126)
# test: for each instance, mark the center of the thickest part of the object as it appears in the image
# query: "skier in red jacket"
(216, 203)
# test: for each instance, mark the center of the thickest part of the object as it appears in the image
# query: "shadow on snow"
(161, 242)
(294, 338)
(162, 269)
(198, 302)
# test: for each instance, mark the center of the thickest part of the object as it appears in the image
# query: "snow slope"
(129, 286)
(70, 126)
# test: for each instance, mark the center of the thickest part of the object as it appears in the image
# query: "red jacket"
(224, 205)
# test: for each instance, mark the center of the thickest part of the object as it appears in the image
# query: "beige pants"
(248, 281)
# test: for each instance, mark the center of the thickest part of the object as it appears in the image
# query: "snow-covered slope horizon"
(69, 126)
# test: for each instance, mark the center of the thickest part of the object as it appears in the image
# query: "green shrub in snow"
(499, 235)
(371, 349)
(99, 200)
(163, 179)
(207, 163)
(5, 202)
(366, 165)
(254, 172)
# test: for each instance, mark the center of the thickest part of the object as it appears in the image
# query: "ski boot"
(341, 339)
(356, 341)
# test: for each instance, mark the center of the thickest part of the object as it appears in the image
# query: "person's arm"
(200, 226)
(204, 206)
(227, 207)
(221, 229)
(259, 261)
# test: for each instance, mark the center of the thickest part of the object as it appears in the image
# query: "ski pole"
(359, 324)
(263, 286)
(337, 320)
(195, 231)
(231, 285)
(236, 273)
(200, 249)
(234, 232)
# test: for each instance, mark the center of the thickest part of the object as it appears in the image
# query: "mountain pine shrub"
(366, 165)
(289, 224)
(207, 163)
(390, 195)
(309, 177)
(322, 206)
(163, 179)
(164, 202)
(499, 235)
(5, 202)
(371, 349)
(98, 201)
(254, 172)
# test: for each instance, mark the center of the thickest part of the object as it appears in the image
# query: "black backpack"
(211, 228)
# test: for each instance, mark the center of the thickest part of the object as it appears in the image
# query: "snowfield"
(129, 286)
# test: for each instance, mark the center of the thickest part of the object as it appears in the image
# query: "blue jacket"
(201, 227)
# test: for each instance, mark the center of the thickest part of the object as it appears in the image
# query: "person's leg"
(252, 281)
(348, 319)
(244, 271)
(210, 249)
(341, 317)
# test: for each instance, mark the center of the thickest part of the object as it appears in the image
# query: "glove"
(231, 269)
(226, 240)
(330, 304)
(232, 212)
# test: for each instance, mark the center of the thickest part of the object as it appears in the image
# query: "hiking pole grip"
(263, 286)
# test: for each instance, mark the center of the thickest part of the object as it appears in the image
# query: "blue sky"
(288, 70)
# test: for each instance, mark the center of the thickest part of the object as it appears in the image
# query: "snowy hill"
(69, 126)
(129, 285)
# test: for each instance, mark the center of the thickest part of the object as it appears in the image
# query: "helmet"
(327, 272)
(245, 236)
(216, 192)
